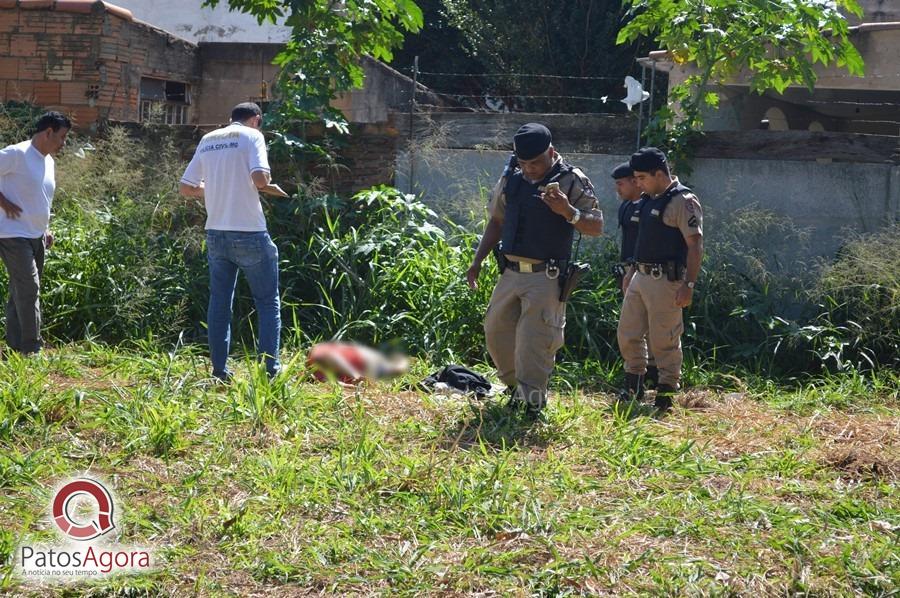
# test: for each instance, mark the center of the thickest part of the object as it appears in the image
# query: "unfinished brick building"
(93, 60)
(96, 62)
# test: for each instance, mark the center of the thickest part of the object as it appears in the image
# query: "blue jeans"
(257, 257)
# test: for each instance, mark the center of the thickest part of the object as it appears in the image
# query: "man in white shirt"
(229, 169)
(27, 183)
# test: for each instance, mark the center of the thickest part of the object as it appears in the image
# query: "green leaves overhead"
(772, 44)
(328, 40)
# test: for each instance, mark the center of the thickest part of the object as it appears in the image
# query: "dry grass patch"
(733, 425)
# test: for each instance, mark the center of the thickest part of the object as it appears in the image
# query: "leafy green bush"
(17, 121)
(127, 261)
(859, 295)
(379, 269)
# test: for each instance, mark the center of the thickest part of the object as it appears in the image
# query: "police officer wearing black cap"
(667, 256)
(536, 208)
(629, 215)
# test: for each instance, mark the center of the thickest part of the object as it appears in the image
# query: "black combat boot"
(651, 378)
(632, 388)
(533, 413)
(664, 395)
(513, 401)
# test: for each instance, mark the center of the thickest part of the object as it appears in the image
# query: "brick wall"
(366, 158)
(87, 64)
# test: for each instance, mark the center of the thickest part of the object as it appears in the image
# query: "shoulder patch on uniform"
(583, 179)
(692, 222)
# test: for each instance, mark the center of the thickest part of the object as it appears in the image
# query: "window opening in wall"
(165, 102)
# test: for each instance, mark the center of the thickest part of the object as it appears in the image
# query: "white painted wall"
(826, 200)
(188, 20)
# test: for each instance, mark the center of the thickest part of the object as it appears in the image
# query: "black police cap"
(623, 171)
(648, 159)
(531, 140)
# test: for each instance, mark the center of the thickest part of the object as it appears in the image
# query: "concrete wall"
(385, 89)
(233, 73)
(195, 23)
(826, 199)
(879, 10)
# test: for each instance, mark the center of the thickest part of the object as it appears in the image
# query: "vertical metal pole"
(641, 107)
(652, 90)
(303, 137)
(412, 109)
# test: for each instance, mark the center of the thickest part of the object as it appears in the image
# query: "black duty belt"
(672, 271)
(538, 267)
(654, 270)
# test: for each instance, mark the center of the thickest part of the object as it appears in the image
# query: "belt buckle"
(524, 267)
(552, 270)
(656, 272)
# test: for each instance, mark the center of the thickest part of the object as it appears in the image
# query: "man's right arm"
(493, 231)
(489, 240)
(261, 178)
(260, 173)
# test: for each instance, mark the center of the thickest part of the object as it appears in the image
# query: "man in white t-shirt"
(229, 169)
(27, 183)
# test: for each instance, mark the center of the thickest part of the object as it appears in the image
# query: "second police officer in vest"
(629, 215)
(668, 252)
(535, 210)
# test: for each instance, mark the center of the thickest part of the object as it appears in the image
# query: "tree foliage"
(328, 39)
(772, 43)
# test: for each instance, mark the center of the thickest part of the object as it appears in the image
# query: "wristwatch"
(575, 217)
(690, 284)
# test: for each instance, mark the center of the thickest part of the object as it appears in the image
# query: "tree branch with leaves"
(323, 57)
(771, 44)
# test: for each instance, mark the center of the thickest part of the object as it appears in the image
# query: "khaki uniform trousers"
(649, 312)
(524, 330)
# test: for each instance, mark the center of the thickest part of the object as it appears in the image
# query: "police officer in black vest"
(629, 216)
(668, 252)
(535, 210)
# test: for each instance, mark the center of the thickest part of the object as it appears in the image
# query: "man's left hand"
(683, 296)
(48, 239)
(557, 201)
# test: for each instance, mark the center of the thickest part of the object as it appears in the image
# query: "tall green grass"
(287, 487)
(383, 268)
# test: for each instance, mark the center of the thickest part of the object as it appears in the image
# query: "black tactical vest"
(658, 243)
(629, 217)
(530, 228)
